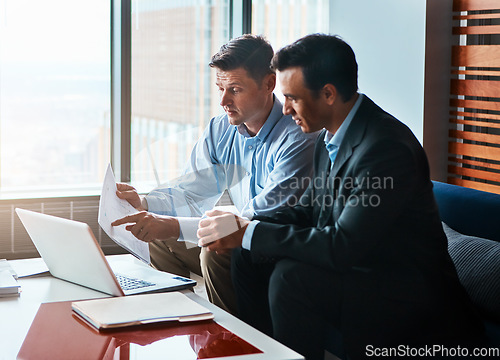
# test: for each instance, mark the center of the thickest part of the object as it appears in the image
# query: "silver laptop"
(72, 253)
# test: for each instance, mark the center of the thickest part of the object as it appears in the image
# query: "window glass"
(284, 21)
(173, 88)
(54, 96)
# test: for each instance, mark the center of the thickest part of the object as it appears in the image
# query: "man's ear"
(269, 82)
(330, 93)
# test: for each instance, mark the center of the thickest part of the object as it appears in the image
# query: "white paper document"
(5, 265)
(112, 208)
(8, 284)
(33, 267)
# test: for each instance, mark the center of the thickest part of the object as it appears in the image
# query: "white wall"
(388, 38)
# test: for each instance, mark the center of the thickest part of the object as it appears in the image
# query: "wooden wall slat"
(473, 173)
(474, 163)
(476, 55)
(480, 151)
(474, 185)
(475, 115)
(475, 123)
(476, 16)
(475, 136)
(476, 72)
(476, 30)
(470, 5)
(470, 61)
(475, 104)
(483, 88)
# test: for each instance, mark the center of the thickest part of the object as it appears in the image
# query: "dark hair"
(324, 59)
(251, 52)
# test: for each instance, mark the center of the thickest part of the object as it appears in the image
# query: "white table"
(17, 314)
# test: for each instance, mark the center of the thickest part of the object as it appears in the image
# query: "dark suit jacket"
(374, 220)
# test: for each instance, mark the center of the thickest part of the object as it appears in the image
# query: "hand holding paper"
(112, 208)
(129, 193)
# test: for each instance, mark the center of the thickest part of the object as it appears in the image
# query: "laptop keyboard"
(128, 283)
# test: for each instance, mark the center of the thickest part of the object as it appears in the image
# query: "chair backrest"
(469, 211)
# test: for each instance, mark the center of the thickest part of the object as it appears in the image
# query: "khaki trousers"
(174, 257)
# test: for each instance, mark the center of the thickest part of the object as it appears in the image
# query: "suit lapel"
(352, 138)
(325, 192)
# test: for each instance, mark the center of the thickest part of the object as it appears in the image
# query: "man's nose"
(287, 109)
(225, 99)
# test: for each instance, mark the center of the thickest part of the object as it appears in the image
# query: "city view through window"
(55, 85)
(54, 95)
(173, 88)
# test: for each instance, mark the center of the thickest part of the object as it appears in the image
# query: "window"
(54, 96)
(55, 84)
(173, 91)
(283, 22)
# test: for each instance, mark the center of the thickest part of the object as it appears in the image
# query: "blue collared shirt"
(262, 173)
(335, 139)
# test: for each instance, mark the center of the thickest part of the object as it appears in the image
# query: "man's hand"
(148, 227)
(129, 193)
(221, 231)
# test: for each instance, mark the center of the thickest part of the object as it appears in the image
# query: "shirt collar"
(275, 115)
(336, 139)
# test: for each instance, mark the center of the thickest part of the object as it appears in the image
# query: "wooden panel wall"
(474, 135)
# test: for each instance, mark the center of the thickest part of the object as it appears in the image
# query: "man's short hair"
(250, 52)
(324, 59)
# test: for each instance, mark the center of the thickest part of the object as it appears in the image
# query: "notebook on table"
(119, 312)
(72, 253)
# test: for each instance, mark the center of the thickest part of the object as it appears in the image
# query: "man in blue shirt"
(261, 157)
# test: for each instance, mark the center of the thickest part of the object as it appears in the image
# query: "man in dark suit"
(364, 248)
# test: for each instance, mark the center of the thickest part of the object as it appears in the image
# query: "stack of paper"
(8, 280)
(109, 313)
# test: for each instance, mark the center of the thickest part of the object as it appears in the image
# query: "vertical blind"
(474, 135)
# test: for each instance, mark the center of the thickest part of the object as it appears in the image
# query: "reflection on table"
(56, 333)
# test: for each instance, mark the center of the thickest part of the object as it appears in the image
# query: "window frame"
(121, 88)
(240, 20)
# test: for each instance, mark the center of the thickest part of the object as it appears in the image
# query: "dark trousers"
(288, 300)
(292, 302)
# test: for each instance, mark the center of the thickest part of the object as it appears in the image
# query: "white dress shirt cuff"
(144, 203)
(246, 242)
(188, 228)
